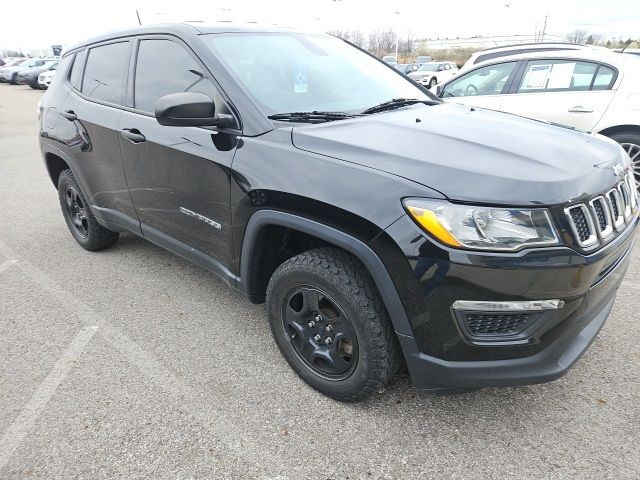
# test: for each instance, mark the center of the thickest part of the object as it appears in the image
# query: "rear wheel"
(330, 324)
(630, 141)
(82, 224)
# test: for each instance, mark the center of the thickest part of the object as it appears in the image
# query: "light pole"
(397, 12)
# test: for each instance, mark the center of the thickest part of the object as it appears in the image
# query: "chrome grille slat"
(582, 225)
(615, 203)
(602, 214)
(593, 223)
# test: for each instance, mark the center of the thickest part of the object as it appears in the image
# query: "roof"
(181, 29)
(532, 44)
(606, 56)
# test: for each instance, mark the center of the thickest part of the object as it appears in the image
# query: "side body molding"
(356, 247)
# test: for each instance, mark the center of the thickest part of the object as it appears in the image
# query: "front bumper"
(439, 357)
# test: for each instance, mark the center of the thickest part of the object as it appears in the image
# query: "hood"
(418, 74)
(472, 155)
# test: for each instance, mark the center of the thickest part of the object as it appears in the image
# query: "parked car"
(30, 76)
(522, 48)
(390, 59)
(406, 68)
(12, 61)
(593, 91)
(431, 73)
(423, 59)
(44, 79)
(10, 74)
(490, 258)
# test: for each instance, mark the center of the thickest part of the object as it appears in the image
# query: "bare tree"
(579, 37)
(358, 38)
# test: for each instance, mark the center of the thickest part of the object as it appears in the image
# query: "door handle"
(133, 134)
(580, 109)
(69, 115)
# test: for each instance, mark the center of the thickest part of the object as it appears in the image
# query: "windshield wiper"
(396, 103)
(310, 117)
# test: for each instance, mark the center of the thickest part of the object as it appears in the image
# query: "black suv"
(382, 227)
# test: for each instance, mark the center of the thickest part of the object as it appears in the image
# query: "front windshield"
(286, 72)
(429, 67)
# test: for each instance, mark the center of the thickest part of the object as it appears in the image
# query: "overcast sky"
(34, 24)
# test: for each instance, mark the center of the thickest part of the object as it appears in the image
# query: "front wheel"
(330, 324)
(630, 141)
(433, 83)
(82, 224)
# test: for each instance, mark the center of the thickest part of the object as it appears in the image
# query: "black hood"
(472, 155)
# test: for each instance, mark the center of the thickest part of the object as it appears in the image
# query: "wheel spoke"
(334, 361)
(70, 198)
(311, 300)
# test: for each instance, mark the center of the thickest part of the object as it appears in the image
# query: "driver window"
(489, 80)
(164, 67)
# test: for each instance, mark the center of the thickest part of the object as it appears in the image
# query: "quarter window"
(164, 67)
(105, 74)
(604, 78)
(564, 76)
(489, 80)
(76, 70)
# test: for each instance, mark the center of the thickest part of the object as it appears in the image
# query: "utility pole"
(544, 29)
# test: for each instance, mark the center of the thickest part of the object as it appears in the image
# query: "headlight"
(483, 228)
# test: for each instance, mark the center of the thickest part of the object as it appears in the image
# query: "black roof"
(180, 29)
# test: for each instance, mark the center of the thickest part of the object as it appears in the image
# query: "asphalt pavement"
(133, 363)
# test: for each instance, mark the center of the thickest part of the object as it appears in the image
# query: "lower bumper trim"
(435, 375)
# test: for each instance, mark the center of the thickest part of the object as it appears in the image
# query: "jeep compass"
(383, 228)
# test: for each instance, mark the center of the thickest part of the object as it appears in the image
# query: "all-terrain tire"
(88, 232)
(348, 284)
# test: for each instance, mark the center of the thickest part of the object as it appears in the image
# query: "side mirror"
(438, 90)
(190, 109)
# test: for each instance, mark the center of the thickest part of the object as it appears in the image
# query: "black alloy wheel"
(320, 332)
(77, 212)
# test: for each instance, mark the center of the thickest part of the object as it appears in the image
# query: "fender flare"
(356, 247)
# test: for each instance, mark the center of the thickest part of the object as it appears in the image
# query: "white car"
(44, 79)
(431, 73)
(594, 91)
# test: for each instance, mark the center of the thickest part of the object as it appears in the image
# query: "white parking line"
(7, 264)
(14, 435)
(174, 388)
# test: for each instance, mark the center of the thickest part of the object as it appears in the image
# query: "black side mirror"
(438, 90)
(190, 109)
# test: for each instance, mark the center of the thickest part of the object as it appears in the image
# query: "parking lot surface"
(133, 363)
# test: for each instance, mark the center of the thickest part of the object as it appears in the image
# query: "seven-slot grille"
(604, 215)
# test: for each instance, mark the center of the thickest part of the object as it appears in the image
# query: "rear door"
(88, 128)
(179, 177)
(570, 92)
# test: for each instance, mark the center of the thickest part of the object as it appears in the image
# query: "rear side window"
(605, 77)
(562, 76)
(76, 70)
(165, 67)
(105, 74)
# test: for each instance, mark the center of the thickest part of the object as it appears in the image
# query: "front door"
(178, 177)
